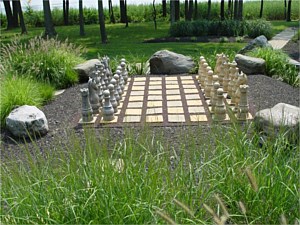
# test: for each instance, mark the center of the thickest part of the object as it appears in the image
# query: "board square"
(196, 110)
(135, 105)
(173, 92)
(155, 79)
(171, 82)
(138, 88)
(154, 104)
(188, 82)
(193, 102)
(172, 86)
(153, 83)
(155, 87)
(105, 122)
(176, 110)
(151, 111)
(186, 78)
(133, 112)
(176, 118)
(173, 97)
(156, 92)
(190, 97)
(154, 97)
(154, 119)
(198, 118)
(136, 98)
(191, 91)
(188, 86)
(171, 78)
(137, 93)
(174, 103)
(139, 83)
(132, 119)
(139, 79)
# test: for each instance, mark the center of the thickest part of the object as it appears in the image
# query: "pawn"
(220, 111)
(108, 110)
(231, 79)
(93, 95)
(209, 84)
(243, 107)
(200, 63)
(117, 86)
(215, 79)
(100, 94)
(106, 78)
(214, 98)
(203, 75)
(124, 72)
(121, 81)
(226, 76)
(86, 110)
(116, 93)
(102, 81)
(113, 100)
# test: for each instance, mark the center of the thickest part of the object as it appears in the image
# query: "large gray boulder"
(167, 62)
(84, 69)
(281, 118)
(27, 120)
(250, 65)
(259, 42)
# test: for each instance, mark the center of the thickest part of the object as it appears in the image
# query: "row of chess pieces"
(225, 81)
(104, 91)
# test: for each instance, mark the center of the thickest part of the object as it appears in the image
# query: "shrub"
(277, 65)
(18, 91)
(46, 60)
(255, 28)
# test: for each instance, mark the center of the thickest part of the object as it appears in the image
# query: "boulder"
(250, 65)
(260, 42)
(167, 62)
(84, 69)
(281, 118)
(27, 120)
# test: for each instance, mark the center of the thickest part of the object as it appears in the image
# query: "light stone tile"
(158, 92)
(153, 83)
(188, 82)
(138, 88)
(171, 82)
(154, 97)
(154, 119)
(136, 98)
(133, 112)
(172, 86)
(173, 92)
(155, 87)
(191, 91)
(176, 118)
(155, 79)
(151, 104)
(139, 83)
(193, 102)
(187, 86)
(174, 103)
(177, 110)
(106, 122)
(171, 78)
(173, 97)
(132, 119)
(186, 78)
(135, 105)
(154, 111)
(196, 110)
(198, 118)
(91, 122)
(190, 97)
(136, 93)
(139, 79)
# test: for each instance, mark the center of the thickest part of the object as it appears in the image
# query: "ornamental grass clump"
(46, 60)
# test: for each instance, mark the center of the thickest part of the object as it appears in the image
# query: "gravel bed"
(64, 111)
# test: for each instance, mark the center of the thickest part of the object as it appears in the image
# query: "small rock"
(85, 69)
(27, 120)
(250, 65)
(282, 117)
(260, 42)
(167, 62)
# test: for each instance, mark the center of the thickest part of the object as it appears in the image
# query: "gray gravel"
(64, 111)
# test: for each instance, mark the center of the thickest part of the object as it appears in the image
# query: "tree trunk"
(67, 12)
(172, 12)
(126, 16)
(102, 22)
(20, 13)
(235, 10)
(196, 10)
(164, 8)
(9, 15)
(208, 9)
(229, 8)
(186, 9)
(222, 13)
(240, 10)
(122, 11)
(154, 14)
(111, 12)
(15, 20)
(289, 10)
(261, 8)
(81, 19)
(191, 9)
(64, 12)
(177, 10)
(49, 27)
(285, 9)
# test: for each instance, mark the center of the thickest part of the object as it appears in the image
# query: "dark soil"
(292, 48)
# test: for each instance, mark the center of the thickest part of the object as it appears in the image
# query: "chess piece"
(117, 86)
(243, 107)
(203, 75)
(214, 97)
(209, 84)
(93, 95)
(116, 93)
(106, 78)
(221, 74)
(86, 110)
(231, 79)
(121, 81)
(218, 63)
(124, 72)
(226, 76)
(234, 86)
(215, 79)
(242, 80)
(200, 64)
(108, 110)
(113, 100)
(106, 62)
(220, 111)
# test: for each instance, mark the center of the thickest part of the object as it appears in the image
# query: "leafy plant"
(255, 28)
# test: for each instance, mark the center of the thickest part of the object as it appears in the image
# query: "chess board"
(164, 101)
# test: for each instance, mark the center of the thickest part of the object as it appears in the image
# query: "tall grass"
(102, 180)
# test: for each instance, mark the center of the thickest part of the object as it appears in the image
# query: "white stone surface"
(260, 41)
(27, 120)
(86, 68)
(250, 65)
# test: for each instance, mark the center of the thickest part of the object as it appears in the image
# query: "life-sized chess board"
(163, 101)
